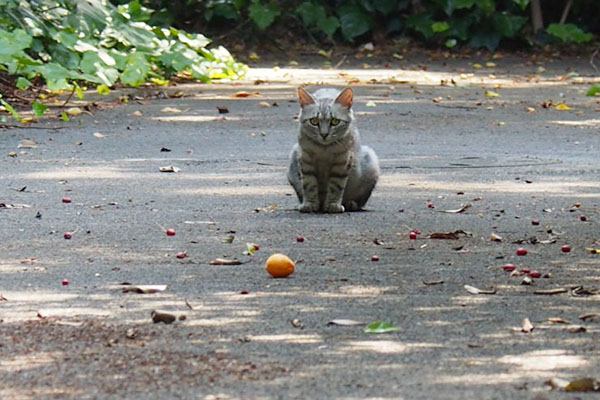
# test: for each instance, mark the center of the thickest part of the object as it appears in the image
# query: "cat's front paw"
(334, 208)
(308, 207)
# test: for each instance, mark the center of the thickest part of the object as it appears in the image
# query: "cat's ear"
(345, 98)
(304, 97)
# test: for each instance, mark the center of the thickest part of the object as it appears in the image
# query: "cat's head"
(326, 114)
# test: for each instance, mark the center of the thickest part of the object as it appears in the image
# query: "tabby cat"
(329, 169)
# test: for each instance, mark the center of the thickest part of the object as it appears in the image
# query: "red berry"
(535, 222)
(583, 218)
(170, 232)
(521, 251)
(509, 267)
(68, 235)
(430, 205)
(565, 249)
(374, 258)
(66, 200)
(412, 235)
(65, 282)
(418, 232)
(535, 274)
(299, 239)
(181, 254)
(526, 271)
(256, 247)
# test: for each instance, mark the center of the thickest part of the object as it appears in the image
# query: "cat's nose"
(324, 132)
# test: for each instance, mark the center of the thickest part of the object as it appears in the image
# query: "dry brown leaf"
(496, 238)
(27, 144)
(169, 168)
(99, 135)
(444, 235)
(158, 316)
(222, 109)
(577, 329)
(73, 111)
(432, 283)
(241, 94)
(526, 326)
(170, 110)
(144, 289)
(587, 316)
(556, 320)
(583, 385)
(264, 104)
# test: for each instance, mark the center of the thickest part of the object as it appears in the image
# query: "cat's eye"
(314, 121)
(335, 121)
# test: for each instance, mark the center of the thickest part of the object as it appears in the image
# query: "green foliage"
(66, 41)
(594, 90)
(569, 33)
(263, 14)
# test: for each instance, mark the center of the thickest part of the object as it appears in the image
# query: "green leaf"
(310, 13)
(10, 109)
(522, 3)
(65, 117)
(263, 14)
(420, 23)
(450, 43)
(489, 40)
(386, 7)
(329, 25)
(439, 27)
(38, 108)
(103, 90)
(78, 91)
(569, 33)
(594, 90)
(23, 83)
(354, 22)
(380, 327)
(487, 6)
(508, 25)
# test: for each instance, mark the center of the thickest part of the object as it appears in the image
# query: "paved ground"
(513, 158)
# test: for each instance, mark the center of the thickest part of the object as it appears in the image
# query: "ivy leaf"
(522, 3)
(487, 6)
(23, 83)
(490, 40)
(594, 90)
(310, 13)
(103, 90)
(10, 109)
(508, 25)
(65, 117)
(263, 14)
(38, 108)
(380, 327)
(439, 27)
(421, 23)
(354, 22)
(569, 33)
(386, 7)
(329, 25)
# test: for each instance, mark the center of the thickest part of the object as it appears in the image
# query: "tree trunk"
(536, 15)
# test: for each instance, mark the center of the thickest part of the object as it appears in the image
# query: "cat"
(329, 169)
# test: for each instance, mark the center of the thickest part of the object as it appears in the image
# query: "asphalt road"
(443, 137)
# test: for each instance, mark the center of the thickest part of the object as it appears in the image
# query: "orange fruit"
(280, 265)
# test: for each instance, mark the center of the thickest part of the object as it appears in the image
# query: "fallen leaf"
(241, 94)
(2, 298)
(170, 110)
(447, 235)
(398, 56)
(490, 64)
(253, 56)
(474, 290)
(496, 238)
(169, 168)
(264, 104)
(556, 320)
(163, 317)
(131, 333)
(296, 323)
(431, 283)
(557, 383)
(144, 289)
(224, 261)
(437, 99)
(583, 385)
(222, 110)
(526, 326)
(477, 66)
(271, 208)
(577, 329)
(380, 327)
(345, 322)
(457, 210)
(137, 113)
(73, 111)
(592, 250)
(99, 135)
(326, 54)
(228, 239)
(371, 103)
(587, 316)
(491, 94)
(562, 106)
(27, 144)
(580, 291)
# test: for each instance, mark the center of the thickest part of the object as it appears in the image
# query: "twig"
(70, 95)
(592, 60)
(339, 63)
(565, 13)
(8, 126)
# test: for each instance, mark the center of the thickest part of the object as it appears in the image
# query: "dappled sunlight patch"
(386, 346)
(581, 123)
(289, 338)
(233, 190)
(472, 299)
(480, 379)
(25, 362)
(218, 321)
(545, 360)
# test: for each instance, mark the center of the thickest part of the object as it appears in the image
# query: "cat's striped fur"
(329, 169)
